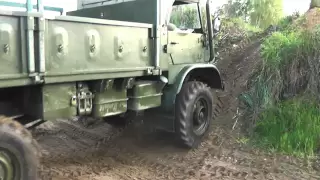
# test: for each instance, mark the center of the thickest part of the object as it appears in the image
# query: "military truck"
(104, 62)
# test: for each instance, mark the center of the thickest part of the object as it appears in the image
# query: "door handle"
(173, 43)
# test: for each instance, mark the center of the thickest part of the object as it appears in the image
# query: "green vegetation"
(286, 23)
(237, 23)
(292, 126)
(260, 13)
(266, 12)
(257, 13)
(290, 69)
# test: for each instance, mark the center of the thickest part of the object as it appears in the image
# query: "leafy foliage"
(260, 13)
(266, 12)
(237, 9)
(285, 24)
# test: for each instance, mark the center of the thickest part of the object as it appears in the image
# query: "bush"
(280, 49)
(286, 23)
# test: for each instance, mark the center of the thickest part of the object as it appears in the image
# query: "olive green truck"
(107, 61)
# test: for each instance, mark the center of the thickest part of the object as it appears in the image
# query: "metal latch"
(154, 71)
(83, 102)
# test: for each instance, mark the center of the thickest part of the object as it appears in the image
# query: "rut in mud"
(71, 151)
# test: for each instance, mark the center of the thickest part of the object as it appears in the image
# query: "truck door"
(185, 41)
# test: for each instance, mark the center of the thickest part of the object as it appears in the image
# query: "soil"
(102, 152)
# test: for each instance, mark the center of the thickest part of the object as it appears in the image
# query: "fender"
(163, 116)
(207, 73)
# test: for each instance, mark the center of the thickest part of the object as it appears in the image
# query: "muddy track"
(102, 152)
(126, 158)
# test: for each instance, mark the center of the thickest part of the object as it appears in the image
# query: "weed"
(286, 22)
(243, 140)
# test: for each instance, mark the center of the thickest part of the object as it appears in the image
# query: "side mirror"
(210, 30)
(216, 22)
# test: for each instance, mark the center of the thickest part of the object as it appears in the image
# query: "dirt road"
(71, 151)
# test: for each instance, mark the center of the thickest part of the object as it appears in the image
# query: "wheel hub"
(6, 167)
(200, 114)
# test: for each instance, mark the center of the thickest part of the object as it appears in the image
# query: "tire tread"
(189, 91)
(21, 137)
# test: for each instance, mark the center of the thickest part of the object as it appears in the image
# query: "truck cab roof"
(142, 11)
(177, 2)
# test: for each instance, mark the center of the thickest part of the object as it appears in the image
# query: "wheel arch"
(207, 73)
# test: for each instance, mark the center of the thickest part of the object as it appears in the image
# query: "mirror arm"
(210, 31)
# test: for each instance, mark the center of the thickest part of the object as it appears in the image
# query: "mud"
(102, 152)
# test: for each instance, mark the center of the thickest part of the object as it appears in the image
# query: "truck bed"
(69, 48)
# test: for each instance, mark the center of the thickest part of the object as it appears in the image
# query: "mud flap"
(159, 119)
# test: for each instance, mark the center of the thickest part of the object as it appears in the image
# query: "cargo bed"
(37, 49)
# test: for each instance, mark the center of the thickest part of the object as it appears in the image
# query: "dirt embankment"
(310, 20)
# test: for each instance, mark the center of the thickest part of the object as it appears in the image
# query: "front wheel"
(193, 113)
(18, 153)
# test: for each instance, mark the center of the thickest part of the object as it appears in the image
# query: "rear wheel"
(193, 113)
(18, 153)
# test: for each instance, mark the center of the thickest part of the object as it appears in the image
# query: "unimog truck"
(111, 61)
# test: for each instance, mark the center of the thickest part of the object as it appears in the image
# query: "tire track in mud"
(82, 141)
(210, 160)
(83, 138)
(171, 160)
(170, 163)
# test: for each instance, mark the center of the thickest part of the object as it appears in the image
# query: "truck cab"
(183, 54)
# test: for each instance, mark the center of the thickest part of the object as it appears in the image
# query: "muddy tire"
(18, 152)
(193, 113)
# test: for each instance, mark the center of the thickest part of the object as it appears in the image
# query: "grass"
(286, 23)
(240, 24)
(290, 67)
(291, 127)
